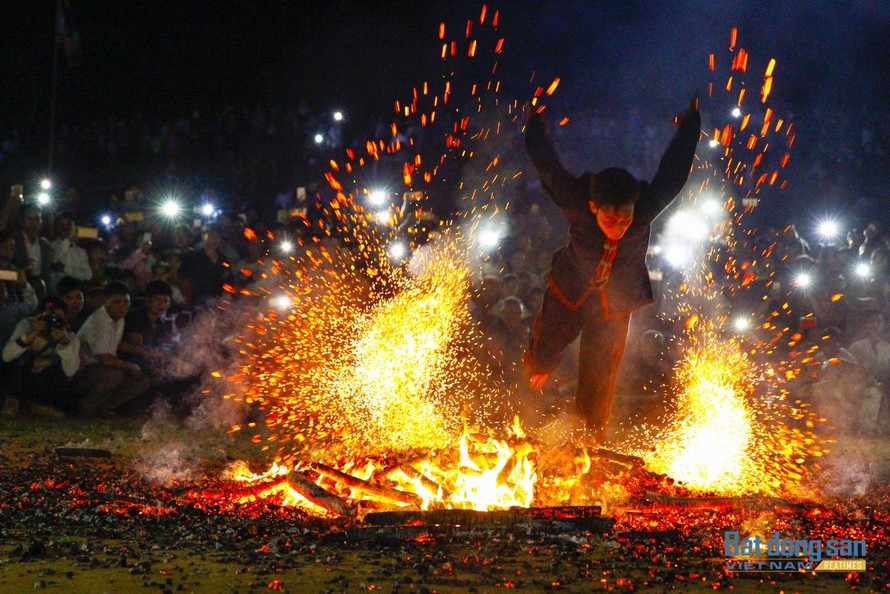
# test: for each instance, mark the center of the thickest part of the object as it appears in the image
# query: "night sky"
(164, 58)
(167, 54)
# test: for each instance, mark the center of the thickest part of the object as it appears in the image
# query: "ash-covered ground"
(87, 523)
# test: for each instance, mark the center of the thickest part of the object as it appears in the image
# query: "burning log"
(366, 487)
(628, 460)
(240, 495)
(520, 451)
(317, 495)
(428, 483)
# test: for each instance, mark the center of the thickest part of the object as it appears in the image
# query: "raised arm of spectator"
(10, 209)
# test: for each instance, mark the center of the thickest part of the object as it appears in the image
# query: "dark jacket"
(46, 258)
(574, 266)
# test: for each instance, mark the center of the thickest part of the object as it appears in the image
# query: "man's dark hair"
(614, 187)
(116, 288)
(158, 287)
(67, 284)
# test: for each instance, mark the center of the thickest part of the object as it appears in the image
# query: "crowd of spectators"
(92, 322)
(820, 302)
(125, 294)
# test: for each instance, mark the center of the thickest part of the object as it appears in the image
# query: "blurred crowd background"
(815, 261)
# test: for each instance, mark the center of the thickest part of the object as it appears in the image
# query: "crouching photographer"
(43, 355)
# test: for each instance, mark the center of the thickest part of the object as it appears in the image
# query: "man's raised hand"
(690, 109)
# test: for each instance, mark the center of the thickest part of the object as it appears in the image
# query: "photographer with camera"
(44, 355)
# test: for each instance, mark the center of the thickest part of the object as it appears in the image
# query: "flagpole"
(55, 86)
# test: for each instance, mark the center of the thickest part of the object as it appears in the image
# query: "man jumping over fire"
(598, 279)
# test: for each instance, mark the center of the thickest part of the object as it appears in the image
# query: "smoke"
(188, 432)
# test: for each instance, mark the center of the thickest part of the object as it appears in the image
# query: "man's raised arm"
(556, 180)
(676, 163)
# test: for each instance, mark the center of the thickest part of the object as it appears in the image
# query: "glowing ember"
(348, 370)
(367, 369)
(724, 438)
(397, 375)
(708, 442)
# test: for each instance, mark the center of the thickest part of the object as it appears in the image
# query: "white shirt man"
(101, 333)
(74, 259)
(108, 381)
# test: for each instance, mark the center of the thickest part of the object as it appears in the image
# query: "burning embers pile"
(366, 375)
(482, 473)
(376, 405)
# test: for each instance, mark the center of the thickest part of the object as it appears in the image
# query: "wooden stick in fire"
(317, 495)
(364, 486)
(428, 483)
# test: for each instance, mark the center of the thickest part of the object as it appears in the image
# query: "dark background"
(164, 58)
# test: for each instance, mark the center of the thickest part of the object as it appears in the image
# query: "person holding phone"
(11, 205)
(69, 259)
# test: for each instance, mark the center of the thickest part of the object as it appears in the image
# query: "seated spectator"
(249, 267)
(97, 253)
(647, 362)
(45, 356)
(518, 261)
(69, 259)
(483, 300)
(182, 239)
(93, 299)
(533, 300)
(107, 382)
(841, 382)
(509, 285)
(71, 294)
(151, 337)
(205, 271)
(163, 270)
(11, 312)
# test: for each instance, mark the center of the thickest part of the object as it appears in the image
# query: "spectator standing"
(33, 253)
(69, 259)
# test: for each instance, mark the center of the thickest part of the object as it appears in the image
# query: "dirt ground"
(97, 524)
